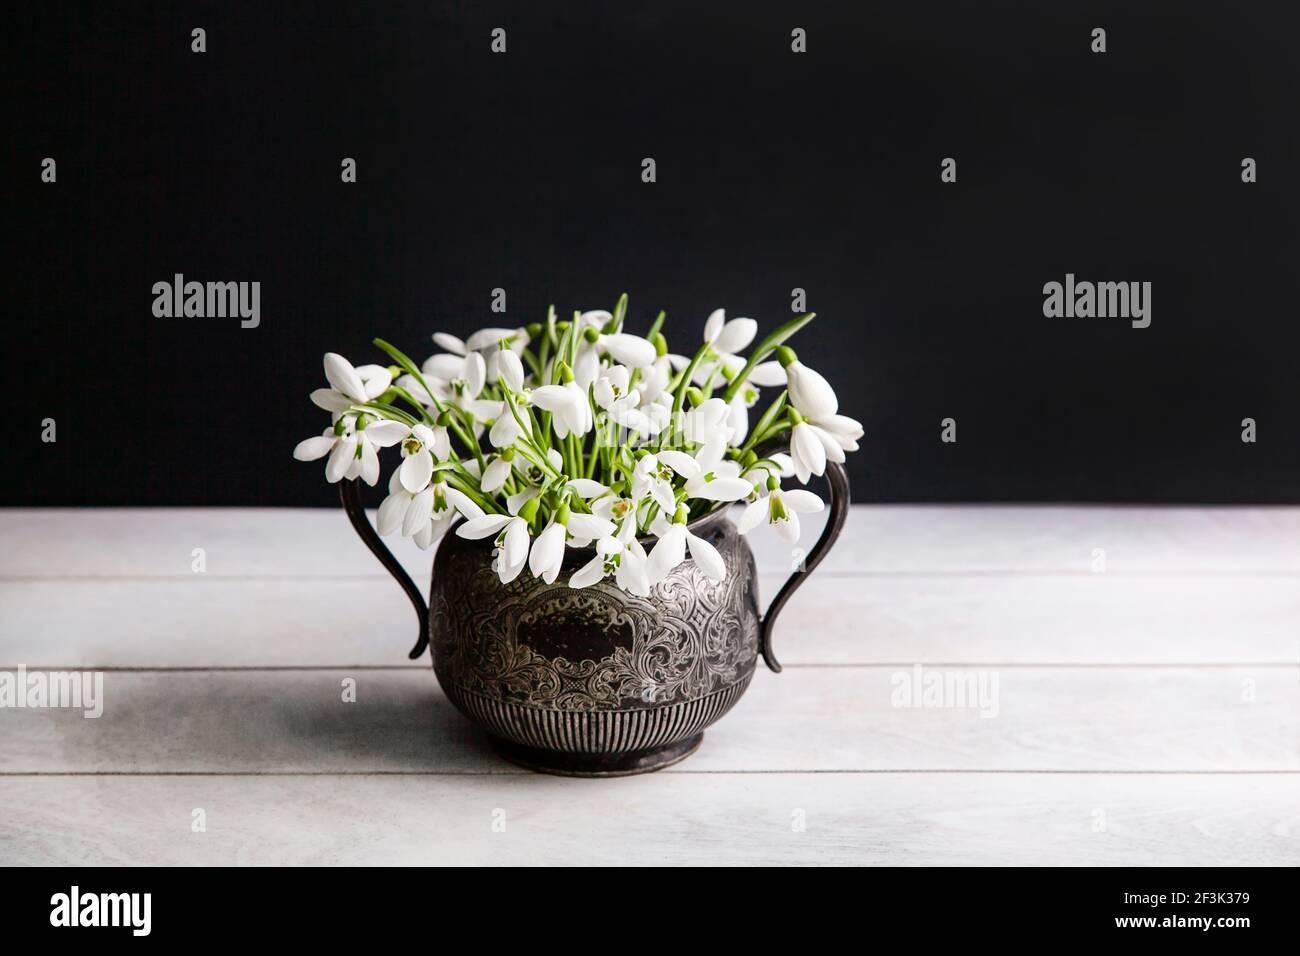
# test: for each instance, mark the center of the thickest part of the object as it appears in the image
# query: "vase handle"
(838, 480)
(350, 495)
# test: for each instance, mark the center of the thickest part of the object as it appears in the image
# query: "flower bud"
(810, 392)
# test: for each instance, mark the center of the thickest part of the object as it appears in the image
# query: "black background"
(775, 171)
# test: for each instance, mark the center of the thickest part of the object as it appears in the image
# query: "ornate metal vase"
(596, 682)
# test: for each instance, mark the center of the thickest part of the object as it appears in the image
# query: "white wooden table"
(1147, 713)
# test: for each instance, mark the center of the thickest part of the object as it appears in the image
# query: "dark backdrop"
(775, 171)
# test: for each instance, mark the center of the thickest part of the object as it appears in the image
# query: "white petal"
(377, 378)
(668, 552)
(341, 458)
(767, 374)
(416, 471)
(631, 350)
(808, 450)
(391, 511)
(418, 513)
(714, 323)
(753, 515)
(586, 488)
(484, 527)
(552, 398)
(463, 503)
(707, 557)
(801, 501)
(511, 370)
(474, 374)
(311, 449)
(548, 550)
(449, 343)
(589, 573)
(788, 528)
(508, 572)
(680, 462)
(340, 373)
(443, 367)
(495, 475)
(504, 431)
(369, 463)
(330, 399)
(841, 426)
(514, 549)
(385, 434)
(723, 489)
(736, 335)
(810, 393)
(662, 493)
(485, 337)
(425, 537)
(633, 573)
(589, 526)
(519, 499)
(834, 452)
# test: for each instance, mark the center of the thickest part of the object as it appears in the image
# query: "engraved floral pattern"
(691, 637)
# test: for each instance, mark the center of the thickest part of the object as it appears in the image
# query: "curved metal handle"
(350, 495)
(838, 480)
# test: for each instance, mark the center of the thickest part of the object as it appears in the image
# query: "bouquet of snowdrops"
(573, 433)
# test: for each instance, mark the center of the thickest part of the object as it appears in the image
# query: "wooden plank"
(814, 719)
(877, 540)
(665, 818)
(1044, 619)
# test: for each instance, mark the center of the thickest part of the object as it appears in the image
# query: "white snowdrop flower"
(586, 488)
(426, 516)
(810, 448)
(653, 476)
(781, 508)
(512, 541)
(487, 338)
(449, 343)
(350, 386)
(718, 480)
(594, 319)
(622, 556)
(510, 370)
(630, 350)
(505, 429)
(844, 430)
(655, 379)
(339, 442)
(495, 474)
(586, 366)
(611, 386)
(460, 379)
(672, 548)
(810, 393)
(516, 502)
(569, 406)
(547, 553)
(728, 337)
(352, 448)
(706, 422)
(584, 528)
(420, 447)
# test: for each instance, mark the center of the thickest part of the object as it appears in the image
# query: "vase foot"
(597, 765)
